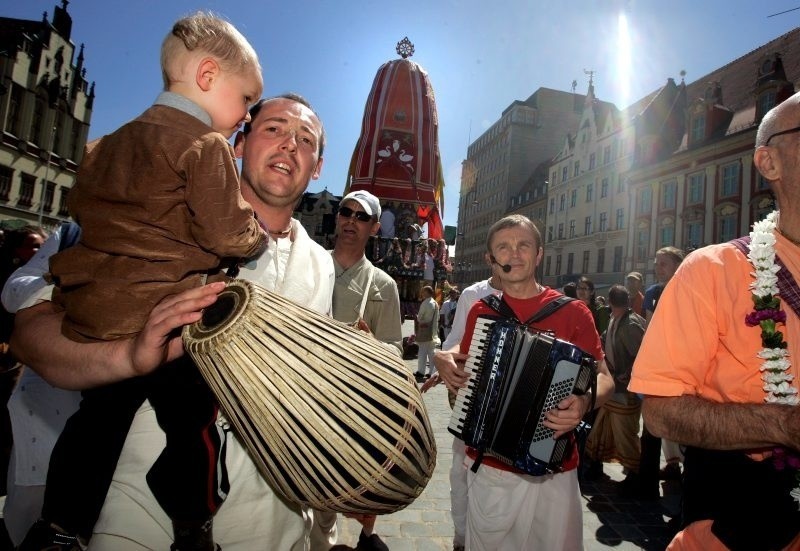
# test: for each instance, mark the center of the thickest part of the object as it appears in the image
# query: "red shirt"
(573, 323)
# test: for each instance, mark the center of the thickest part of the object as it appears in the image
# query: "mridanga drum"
(330, 415)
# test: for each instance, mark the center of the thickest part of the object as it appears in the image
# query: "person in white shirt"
(427, 322)
(447, 313)
(458, 472)
(281, 150)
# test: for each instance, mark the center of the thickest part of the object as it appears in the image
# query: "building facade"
(588, 201)
(499, 163)
(45, 110)
(673, 169)
(693, 181)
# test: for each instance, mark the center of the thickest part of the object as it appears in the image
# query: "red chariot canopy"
(396, 157)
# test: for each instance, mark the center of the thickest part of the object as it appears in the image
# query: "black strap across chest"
(500, 306)
(787, 286)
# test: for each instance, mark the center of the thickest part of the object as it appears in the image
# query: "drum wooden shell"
(331, 417)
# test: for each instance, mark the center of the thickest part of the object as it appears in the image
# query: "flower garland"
(767, 314)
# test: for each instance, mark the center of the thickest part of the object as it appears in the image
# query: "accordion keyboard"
(477, 354)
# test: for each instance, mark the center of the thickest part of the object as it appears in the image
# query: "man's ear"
(317, 169)
(238, 144)
(207, 71)
(768, 162)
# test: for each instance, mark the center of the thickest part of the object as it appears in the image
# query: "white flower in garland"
(767, 314)
(776, 376)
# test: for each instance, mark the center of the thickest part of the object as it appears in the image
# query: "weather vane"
(405, 48)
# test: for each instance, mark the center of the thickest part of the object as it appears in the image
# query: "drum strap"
(366, 292)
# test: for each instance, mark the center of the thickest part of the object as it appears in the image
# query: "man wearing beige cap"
(364, 296)
(635, 284)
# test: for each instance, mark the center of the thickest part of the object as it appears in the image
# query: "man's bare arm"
(450, 368)
(569, 412)
(37, 341)
(698, 422)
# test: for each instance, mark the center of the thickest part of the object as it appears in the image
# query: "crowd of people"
(95, 309)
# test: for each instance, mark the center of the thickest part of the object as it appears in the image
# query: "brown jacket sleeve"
(222, 221)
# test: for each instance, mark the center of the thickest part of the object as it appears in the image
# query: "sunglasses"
(781, 133)
(361, 216)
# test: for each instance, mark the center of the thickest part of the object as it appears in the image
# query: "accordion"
(516, 375)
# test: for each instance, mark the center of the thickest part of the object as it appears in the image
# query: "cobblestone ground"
(609, 521)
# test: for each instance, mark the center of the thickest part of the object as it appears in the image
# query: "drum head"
(222, 315)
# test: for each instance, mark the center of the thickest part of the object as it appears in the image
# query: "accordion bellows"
(331, 417)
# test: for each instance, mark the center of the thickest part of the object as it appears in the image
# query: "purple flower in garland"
(757, 316)
(783, 458)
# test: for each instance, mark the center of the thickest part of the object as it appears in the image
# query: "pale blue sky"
(480, 55)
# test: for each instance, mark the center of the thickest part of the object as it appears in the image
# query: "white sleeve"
(27, 285)
(465, 302)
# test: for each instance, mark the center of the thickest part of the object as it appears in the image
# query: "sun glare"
(623, 69)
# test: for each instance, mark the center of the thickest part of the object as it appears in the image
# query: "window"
(761, 183)
(585, 263)
(730, 181)
(5, 182)
(642, 241)
(552, 205)
(572, 228)
(698, 129)
(37, 123)
(603, 221)
(766, 101)
(620, 185)
(607, 154)
(62, 202)
(696, 185)
(694, 234)
(604, 188)
(14, 117)
(49, 193)
(549, 233)
(762, 209)
(576, 168)
(554, 177)
(666, 236)
(558, 264)
(601, 260)
(589, 192)
(562, 202)
(587, 226)
(547, 266)
(570, 263)
(617, 259)
(620, 221)
(564, 173)
(669, 194)
(26, 190)
(591, 161)
(561, 230)
(727, 227)
(645, 200)
(72, 150)
(573, 197)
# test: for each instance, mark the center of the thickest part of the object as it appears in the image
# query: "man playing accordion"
(510, 510)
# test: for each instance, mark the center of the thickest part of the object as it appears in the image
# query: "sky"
(480, 55)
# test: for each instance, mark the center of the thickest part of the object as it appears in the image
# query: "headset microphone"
(505, 267)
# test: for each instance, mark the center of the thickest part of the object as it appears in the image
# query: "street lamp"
(46, 174)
